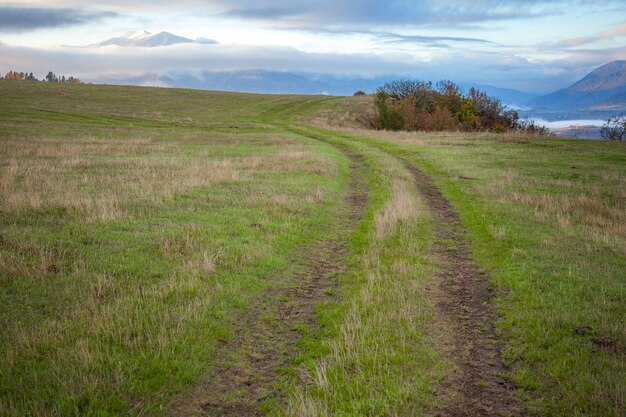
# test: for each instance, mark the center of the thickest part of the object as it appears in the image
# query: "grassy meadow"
(142, 230)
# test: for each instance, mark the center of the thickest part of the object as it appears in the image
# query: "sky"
(533, 46)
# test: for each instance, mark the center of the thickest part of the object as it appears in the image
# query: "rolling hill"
(283, 82)
(184, 252)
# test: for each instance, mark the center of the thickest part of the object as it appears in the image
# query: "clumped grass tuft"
(400, 210)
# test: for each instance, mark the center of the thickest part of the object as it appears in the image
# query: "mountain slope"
(616, 100)
(606, 83)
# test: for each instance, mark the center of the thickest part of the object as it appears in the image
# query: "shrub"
(388, 113)
(531, 127)
(416, 105)
(468, 115)
(498, 128)
(359, 93)
(615, 128)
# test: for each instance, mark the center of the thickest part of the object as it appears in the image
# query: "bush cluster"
(418, 105)
(615, 128)
(19, 76)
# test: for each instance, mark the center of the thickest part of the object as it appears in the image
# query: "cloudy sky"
(535, 46)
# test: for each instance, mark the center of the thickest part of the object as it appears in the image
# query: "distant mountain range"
(257, 81)
(280, 82)
(597, 94)
(146, 39)
(603, 88)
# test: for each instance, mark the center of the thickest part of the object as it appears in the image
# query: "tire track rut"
(265, 338)
(464, 302)
(463, 299)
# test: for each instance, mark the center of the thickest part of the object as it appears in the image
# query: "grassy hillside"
(182, 252)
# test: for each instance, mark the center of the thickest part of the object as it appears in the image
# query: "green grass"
(127, 251)
(549, 221)
(374, 354)
(546, 217)
(137, 225)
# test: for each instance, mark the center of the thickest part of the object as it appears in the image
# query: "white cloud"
(430, 40)
(614, 32)
(99, 63)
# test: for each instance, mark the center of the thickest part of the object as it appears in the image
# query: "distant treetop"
(51, 77)
(19, 76)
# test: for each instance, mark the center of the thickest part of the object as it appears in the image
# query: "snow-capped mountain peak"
(146, 39)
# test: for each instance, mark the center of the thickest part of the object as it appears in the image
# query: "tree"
(14, 76)
(19, 76)
(468, 114)
(51, 78)
(450, 96)
(615, 128)
(359, 93)
(389, 116)
(401, 89)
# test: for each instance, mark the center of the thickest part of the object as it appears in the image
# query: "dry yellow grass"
(401, 209)
(348, 112)
(290, 158)
(28, 259)
(98, 178)
(587, 209)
